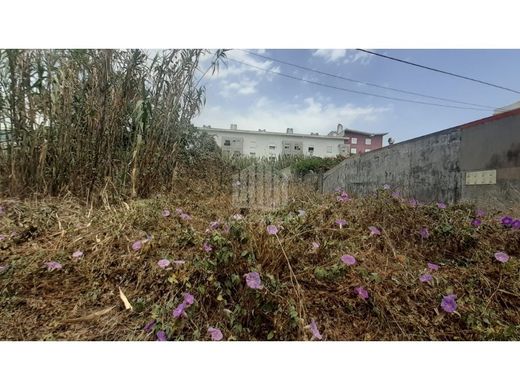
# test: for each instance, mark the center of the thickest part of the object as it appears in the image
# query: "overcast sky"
(254, 99)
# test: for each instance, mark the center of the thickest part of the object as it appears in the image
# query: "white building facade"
(270, 144)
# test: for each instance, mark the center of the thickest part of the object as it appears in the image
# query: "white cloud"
(347, 55)
(241, 87)
(357, 56)
(330, 55)
(304, 116)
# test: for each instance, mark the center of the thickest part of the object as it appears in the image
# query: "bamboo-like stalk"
(71, 120)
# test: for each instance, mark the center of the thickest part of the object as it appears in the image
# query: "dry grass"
(81, 301)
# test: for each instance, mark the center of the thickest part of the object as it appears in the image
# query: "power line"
(354, 91)
(440, 71)
(365, 83)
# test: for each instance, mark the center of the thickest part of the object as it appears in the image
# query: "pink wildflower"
(361, 292)
(272, 229)
(137, 245)
(253, 280)
(52, 265)
(374, 231)
(502, 257)
(215, 333)
(315, 332)
(163, 263)
(348, 259)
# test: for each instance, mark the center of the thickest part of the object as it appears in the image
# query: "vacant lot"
(356, 269)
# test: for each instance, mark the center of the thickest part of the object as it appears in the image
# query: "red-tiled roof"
(490, 118)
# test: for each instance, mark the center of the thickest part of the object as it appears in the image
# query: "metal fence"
(260, 186)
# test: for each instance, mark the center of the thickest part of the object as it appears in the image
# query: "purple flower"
(502, 257)
(480, 213)
(448, 303)
(413, 202)
(374, 231)
(149, 326)
(237, 217)
(77, 254)
(161, 336)
(185, 217)
(188, 299)
(163, 263)
(441, 205)
(179, 211)
(433, 266)
(425, 278)
(225, 229)
(272, 230)
(52, 265)
(253, 280)
(2, 210)
(348, 259)
(361, 292)
(2, 237)
(476, 222)
(341, 223)
(179, 310)
(165, 213)
(315, 332)
(343, 197)
(207, 247)
(215, 333)
(214, 225)
(396, 194)
(338, 189)
(315, 245)
(424, 233)
(516, 224)
(386, 187)
(137, 245)
(507, 221)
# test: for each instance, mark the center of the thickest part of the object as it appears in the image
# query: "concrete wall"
(434, 167)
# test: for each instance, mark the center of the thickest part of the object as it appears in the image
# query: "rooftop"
(363, 132)
(271, 133)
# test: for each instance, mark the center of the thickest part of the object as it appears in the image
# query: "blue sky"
(254, 99)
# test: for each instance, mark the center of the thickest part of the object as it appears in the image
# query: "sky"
(254, 99)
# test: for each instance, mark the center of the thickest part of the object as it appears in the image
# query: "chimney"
(289, 130)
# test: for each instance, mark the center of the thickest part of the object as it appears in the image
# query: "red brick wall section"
(361, 146)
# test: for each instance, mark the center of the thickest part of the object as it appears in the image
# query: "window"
(353, 140)
(329, 149)
(252, 154)
(272, 158)
(272, 147)
(367, 150)
(311, 150)
(227, 142)
(286, 146)
(297, 147)
(353, 150)
(368, 141)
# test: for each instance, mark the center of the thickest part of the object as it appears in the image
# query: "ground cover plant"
(189, 266)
